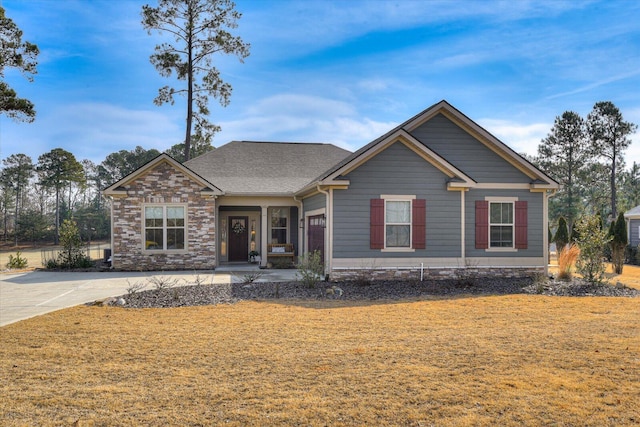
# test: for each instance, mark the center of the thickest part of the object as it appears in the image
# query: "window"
(164, 227)
(501, 225)
(279, 218)
(397, 224)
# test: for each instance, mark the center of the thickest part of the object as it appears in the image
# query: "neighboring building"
(632, 218)
(437, 193)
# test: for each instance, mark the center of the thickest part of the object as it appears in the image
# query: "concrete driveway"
(25, 295)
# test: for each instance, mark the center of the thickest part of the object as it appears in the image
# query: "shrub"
(72, 254)
(17, 262)
(566, 260)
(163, 282)
(632, 255)
(310, 269)
(562, 235)
(282, 263)
(618, 243)
(593, 240)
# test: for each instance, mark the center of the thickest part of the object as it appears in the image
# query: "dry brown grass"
(508, 360)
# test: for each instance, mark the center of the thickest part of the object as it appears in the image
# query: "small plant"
(365, 275)
(134, 288)
(593, 239)
(17, 262)
(199, 280)
(310, 269)
(251, 277)
(163, 282)
(567, 258)
(253, 255)
(467, 275)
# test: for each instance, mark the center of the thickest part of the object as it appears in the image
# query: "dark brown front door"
(238, 238)
(316, 234)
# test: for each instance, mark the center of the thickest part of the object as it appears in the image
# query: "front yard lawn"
(503, 360)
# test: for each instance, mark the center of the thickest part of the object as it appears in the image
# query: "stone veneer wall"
(433, 273)
(163, 184)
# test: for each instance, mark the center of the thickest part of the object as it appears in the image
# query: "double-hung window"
(279, 219)
(501, 225)
(397, 223)
(164, 227)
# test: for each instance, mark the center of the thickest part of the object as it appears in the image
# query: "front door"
(316, 234)
(238, 238)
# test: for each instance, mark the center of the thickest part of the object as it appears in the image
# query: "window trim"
(512, 201)
(164, 207)
(398, 198)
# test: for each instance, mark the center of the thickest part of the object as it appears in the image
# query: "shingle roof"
(247, 167)
(634, 212)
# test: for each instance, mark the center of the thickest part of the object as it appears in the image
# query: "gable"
(397, 166)
(455, 144)
(162, 174)
(456, 179)
(466, 152)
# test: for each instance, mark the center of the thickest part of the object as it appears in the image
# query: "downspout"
(328, 227)
(545, 232)
(112, 228)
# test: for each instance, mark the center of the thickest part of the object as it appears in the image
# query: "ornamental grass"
(567, 260)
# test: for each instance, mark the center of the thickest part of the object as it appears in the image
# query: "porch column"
(263, 236)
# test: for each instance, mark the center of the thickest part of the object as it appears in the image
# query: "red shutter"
(377, 224)
(419, 218)
(521, 225)
(482, 224)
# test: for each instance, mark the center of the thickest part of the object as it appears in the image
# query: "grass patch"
(508, 360)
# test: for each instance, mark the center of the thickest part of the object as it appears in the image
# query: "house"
(632, 217)
(434, 195)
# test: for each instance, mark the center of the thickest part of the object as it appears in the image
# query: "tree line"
(586, 156)
(36, 197)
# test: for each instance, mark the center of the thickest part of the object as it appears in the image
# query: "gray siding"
(396, 170)
(634, 230)
(466, 153)
(317, 201)
(534, 221)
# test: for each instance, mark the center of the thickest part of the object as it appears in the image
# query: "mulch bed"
(182, 296)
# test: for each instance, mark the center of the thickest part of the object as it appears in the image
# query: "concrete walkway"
(25, 295)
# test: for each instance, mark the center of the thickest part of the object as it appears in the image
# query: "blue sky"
(341, 72)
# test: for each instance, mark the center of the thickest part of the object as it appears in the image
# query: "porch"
(265, 230)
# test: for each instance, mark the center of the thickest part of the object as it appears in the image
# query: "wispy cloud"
(523, 138)
(287, 118)
(596, 84)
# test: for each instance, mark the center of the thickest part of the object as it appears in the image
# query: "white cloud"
(522, 138)
(300, 118)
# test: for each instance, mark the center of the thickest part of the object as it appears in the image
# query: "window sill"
(501, 250)
(397, 250)
(164, 251)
